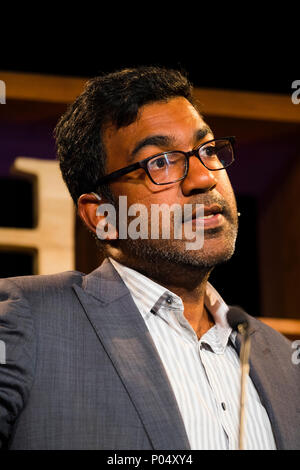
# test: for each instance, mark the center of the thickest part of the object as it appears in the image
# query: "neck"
(188, 282)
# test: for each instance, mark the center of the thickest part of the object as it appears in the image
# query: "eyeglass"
(173, 166)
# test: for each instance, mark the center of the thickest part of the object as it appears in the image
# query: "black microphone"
(238, 320)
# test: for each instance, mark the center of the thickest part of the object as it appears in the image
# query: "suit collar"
(101, 283)
(149, 296)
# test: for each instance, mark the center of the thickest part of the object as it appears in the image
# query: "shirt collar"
(150, 296)
(144, 291)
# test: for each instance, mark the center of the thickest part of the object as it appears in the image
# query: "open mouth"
(209, 212)
(212, 217)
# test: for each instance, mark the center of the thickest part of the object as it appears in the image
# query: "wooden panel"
(51, 88)
(280, 248)
(247, 105)
(35, 87)
(52, 238)
(288, 327)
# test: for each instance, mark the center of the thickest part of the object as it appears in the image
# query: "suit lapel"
(123, 333)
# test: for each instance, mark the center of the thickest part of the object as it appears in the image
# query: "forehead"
(177, 118)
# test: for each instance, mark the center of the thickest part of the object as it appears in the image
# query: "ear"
(88, 210)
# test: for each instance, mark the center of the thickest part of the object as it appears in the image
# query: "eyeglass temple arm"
(121, 172)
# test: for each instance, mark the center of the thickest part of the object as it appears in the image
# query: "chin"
(211, 260)
(217, 249)
(204, 258)
(211, 255)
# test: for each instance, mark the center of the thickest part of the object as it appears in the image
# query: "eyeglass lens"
(171, 166)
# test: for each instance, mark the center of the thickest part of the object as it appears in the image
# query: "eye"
(167, 162)
(162, 161)
(158, 163)
(209, 151)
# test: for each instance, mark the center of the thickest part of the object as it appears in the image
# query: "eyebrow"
(203, 132)
(166, 141)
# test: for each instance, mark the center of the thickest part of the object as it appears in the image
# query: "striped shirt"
(204, 374)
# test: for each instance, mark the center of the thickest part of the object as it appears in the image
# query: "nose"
(198, 178)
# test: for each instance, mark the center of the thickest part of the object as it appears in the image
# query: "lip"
(214, 220)
(212, 217)
(208, 210)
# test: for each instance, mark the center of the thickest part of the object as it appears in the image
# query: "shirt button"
(169, 300)
(224, 406)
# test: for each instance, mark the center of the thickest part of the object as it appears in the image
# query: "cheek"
(224, 186)
(145, 192)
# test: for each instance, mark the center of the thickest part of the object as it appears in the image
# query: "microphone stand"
(244, 358)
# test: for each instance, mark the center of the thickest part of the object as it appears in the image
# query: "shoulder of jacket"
(43, 282)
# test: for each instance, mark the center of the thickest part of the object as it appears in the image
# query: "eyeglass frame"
(143, 163)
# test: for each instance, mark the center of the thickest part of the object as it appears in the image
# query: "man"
(138, 354)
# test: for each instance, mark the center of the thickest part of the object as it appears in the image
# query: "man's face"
(172, 125)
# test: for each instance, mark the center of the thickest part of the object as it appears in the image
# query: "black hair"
(114, 98)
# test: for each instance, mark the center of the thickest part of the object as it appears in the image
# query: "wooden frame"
(52, 88)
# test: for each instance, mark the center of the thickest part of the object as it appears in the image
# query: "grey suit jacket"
(82, 371)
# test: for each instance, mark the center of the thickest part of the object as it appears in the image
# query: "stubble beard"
(174, 251)
(218, 247)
